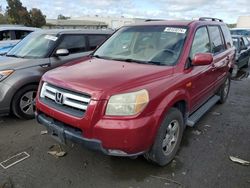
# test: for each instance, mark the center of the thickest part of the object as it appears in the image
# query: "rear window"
(236, 43)
(216, 39)
(227, 36)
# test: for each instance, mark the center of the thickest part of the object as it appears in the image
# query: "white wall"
(243, 22)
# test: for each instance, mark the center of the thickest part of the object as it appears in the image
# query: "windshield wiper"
(140, 62)
(155, 63)
(13, 55)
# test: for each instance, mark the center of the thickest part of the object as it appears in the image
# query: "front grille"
(64, 100)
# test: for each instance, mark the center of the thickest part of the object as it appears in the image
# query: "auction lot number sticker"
(175, 30)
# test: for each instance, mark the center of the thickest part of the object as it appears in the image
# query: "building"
(74, 24)
(112, 22)
(243, 22)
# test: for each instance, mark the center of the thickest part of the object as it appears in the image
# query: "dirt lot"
(203, 160)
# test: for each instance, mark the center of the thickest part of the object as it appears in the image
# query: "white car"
(10, 35)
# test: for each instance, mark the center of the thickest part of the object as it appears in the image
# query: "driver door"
(200, 75)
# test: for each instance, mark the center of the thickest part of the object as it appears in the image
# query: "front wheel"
(168, 138)
(224, 90)
(23, 103)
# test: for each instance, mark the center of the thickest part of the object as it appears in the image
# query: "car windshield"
(35, 45)
(159, 45)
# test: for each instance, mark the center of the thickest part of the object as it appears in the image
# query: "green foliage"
(62, 17)
(3, 19)
(37, 18)
(18, 14)
(231, 25)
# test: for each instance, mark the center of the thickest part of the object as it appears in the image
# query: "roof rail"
(152, 20)
(210, 18)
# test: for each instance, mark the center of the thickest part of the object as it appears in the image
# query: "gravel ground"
(202, 161)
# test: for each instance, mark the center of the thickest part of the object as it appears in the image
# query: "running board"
(195, 117)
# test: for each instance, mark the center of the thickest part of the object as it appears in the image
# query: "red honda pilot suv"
(137, 92)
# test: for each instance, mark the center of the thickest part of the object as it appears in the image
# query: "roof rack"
(210, 18)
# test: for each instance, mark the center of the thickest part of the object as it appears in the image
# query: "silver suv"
(23, 66)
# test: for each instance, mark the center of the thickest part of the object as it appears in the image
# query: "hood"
(100, 78)
(17, 63)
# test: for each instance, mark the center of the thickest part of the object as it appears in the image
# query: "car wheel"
(224, 90)
(168, 138)
(23, 103)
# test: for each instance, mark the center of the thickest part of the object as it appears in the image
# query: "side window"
(236, 42)
(73, 43)
(21, 34)
(5, 35)
(201, 42)
(216, 40)
(227, 36)
(95, 40)
(246, 42)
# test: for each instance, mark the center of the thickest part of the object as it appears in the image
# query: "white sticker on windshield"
(50, 37)
(175, 30)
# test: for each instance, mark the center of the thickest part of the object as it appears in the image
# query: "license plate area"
(57, 133)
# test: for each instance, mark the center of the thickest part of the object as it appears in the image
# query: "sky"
(228, 10)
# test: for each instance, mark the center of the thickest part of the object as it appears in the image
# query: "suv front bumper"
(64, 133)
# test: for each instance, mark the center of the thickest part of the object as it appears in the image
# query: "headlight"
(127, 104)
(5, 73)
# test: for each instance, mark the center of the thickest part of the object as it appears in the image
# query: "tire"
(224, 90)
(161, 152)
(23, 103)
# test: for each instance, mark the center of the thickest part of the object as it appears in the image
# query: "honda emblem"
(59, 98)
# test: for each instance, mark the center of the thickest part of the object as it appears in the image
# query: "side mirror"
(202, 59)
(62, 52)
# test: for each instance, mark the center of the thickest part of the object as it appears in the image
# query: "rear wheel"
(224, 90)
(168, 138)
(23, 103)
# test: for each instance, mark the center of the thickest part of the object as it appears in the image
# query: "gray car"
(23, 66)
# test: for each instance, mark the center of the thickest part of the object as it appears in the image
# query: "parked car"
(23, 66)
(10, 35)
(242, 45)
(241, 31)
(140, 88)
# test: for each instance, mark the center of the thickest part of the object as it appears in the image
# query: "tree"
(3, 19)
(37, 18)
(17, 13)
(62, 17)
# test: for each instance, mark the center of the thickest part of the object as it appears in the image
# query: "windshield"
(159, 45)
(35, 45)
